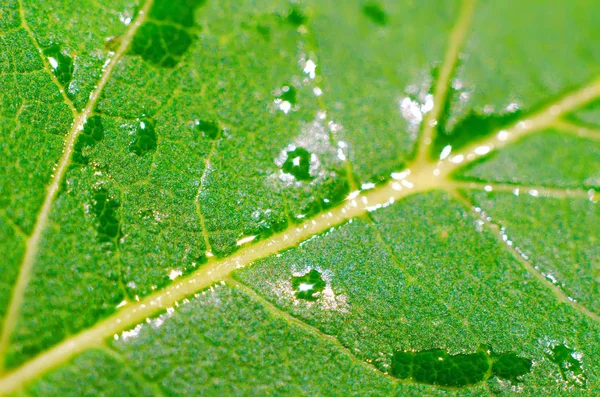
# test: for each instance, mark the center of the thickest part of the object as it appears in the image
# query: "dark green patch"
(307, 286)
(375, 13)
(145, 138)
(295, 17)
(178, 12)
(264, 31)
(208, 129)
(312, 208)
(437, 367)
(570, 367)
(471, 128)
(298, 164)
(61, 64)
(161, 45)
(165, 38)
(338, 191)
(93, 132)
(108, 222)
(288, 93)
(509, 366)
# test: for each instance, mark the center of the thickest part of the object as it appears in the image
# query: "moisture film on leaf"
(299, 198)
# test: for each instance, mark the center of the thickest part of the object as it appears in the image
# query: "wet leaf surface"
(317, 198)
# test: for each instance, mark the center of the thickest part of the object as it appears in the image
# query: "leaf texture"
(299, 198)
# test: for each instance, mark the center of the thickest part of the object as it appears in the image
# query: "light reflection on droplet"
(310, 69)
(407, 184)
(245, 240)
(513, 107)
(53, 62)
(400, 175)
(457, 159)
(175, 273)
(481, 150)
(411, 111)
(445, 152)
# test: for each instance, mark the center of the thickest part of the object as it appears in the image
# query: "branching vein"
(420, 176)
(442, 83)
(33, 241)
(577, 130)
(545, 118)
(495, 229)
(531, 190)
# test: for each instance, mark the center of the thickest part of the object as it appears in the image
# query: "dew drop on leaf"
(569, 363)
(509, 366)
(375, 13)
(295, 17)
(308, 285)
(145, 138)
(108, 222)
(208, 129)
(164, 40)
(288, 93)
(437, 367)
(61, 64)
(92, 133)
(297, 164)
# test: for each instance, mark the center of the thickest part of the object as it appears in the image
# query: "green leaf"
(315, 198)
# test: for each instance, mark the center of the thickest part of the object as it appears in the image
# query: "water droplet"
(308, 285)
(298, 164)
(92, 133)
(288, 93)
(164, 40)
(61, 63)
(569, 363)
(375, 13)
(145, 138)
(295, 17)
(208, 129)
(108, 222)
(509, 366)
(437, 367)
(175, 273)
(177, 12)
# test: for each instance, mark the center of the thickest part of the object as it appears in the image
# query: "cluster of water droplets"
(415, 104)
(303, 159)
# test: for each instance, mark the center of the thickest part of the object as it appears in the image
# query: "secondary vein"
(33, 242)
(356, 205)
(558, 292)
(425, 176)
(442, 83)
(545, 118)
(532, 190)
